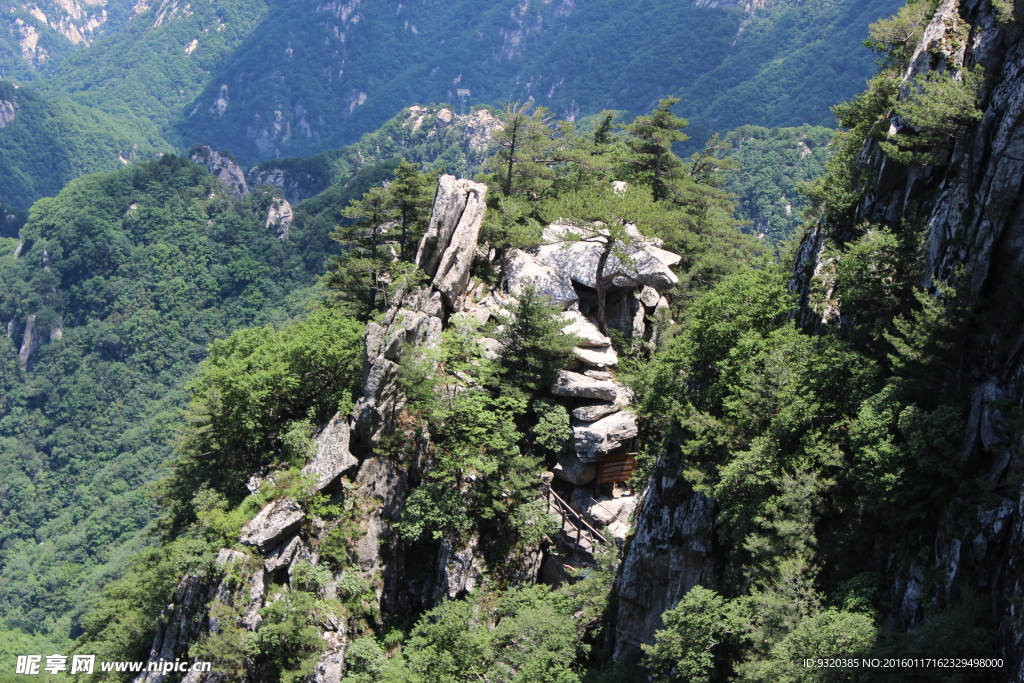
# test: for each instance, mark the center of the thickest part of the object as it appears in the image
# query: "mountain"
(596, 438)
(279, 79)
(112, 293)
(44, 144)
(35, 36)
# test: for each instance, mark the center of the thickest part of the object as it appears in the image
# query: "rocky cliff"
(968, 201)
(283, 540)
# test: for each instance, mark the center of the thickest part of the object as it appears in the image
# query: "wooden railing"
(581, 529)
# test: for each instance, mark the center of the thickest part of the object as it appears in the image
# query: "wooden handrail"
(568, 514)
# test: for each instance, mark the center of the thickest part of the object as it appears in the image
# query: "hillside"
(44, 144)
(277, 80)
(110, 298)
(597, 438)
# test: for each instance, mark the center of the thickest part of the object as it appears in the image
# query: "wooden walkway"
(575, 528)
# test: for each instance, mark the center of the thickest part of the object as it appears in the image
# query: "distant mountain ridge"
(279, 79)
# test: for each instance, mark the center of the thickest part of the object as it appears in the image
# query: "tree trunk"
(599, 286)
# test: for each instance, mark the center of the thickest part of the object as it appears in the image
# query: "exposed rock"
(282, 555)
(227, 171)
(280, 217)
(669, 554)
(8, 111)
(575, 385)
(606, 511)
(492, 348)
(597, 374)
(573, 470)
(591, 413)
(594, 440)
(182, 621)
(458, 570)
(449, 204)
(649, 297)
(383, 484)
(331, 665)
(271, 524)
(453, 268)
(596, 357)
(579, 261)
(30, 341)
(332, 457)
(584, 329)
(521, 269)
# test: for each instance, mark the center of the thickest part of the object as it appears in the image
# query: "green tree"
(533, 346)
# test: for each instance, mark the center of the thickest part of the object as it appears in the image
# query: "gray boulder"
(522, 269)
(594, 440)
(577, 324)
(452, 275)
(282, 555)
(332, 457)
(596, 357)
(575, 385)
(276, 520)
(573, 470)
(592, 413)
(579, 261)
(227, 171)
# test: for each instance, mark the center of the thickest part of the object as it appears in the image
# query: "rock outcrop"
(271, 524)
(224, 168)
(332, 457)
(670, 553)
(969, 204)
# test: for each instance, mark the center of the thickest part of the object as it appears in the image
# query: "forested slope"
(44, 144)
(275, 79)
(111, 296)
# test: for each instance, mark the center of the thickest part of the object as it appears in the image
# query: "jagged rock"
(280, 217)
(453, 268)
(670, 553)
(521, 269)
(575, 385)
(331, 665)
(332, 457)
(591, 413)
(384, 483)
(282, 555)
(579, 261)
(376, 409)
(182, 620)
(584, 329)
(594, 440)
(226, 171)
(257, 591)
(450, 203)
(30, 341)
(271, 524)
(8, 110)
(458, 570)
(648, 296)
(597, 357)
(573, 470)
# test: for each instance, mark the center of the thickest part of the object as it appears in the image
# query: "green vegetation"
(130, 276)
(770, 166)
(49, 143)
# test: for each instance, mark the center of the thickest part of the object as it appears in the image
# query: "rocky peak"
(224, 168)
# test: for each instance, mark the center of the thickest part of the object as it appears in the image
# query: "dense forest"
(519, 394)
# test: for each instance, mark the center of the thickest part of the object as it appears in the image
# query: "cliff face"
(355, 466)
(971, 207)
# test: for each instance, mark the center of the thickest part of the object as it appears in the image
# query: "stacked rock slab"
(446, 254)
